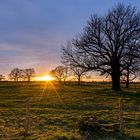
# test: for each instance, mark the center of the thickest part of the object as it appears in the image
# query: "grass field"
(56, 109)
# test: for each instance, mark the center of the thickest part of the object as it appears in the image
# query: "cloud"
(30, 50)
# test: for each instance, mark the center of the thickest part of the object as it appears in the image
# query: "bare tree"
(128, 77)
(78, 73)
(28, 74)
(104, 43)
(2, 77)
(131, 67)
(60, 73)
(15, 74)
(65, 74)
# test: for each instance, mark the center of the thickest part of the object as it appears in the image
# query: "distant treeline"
(19, 75)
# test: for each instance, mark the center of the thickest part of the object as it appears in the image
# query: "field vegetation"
(55, 109)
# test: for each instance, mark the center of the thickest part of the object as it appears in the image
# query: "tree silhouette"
(28, 74)
(2, 77)
(15, 74)
(79, 73)
(131, 66)
(105, 42)
(60, 73)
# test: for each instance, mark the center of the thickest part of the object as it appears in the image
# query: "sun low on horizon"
(44, 78)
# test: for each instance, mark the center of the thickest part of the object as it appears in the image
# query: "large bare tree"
(104, 44)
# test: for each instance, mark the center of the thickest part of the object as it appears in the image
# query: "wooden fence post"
(121, 115)
(27, 119)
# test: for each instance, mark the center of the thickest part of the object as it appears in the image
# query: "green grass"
(55, 112)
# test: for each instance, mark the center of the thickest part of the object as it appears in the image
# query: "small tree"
(59, 73)
(78, 73)
(2, 77)
(129, 77)
(28, 74)
(15, 74)
(131, 66)
(65, 74)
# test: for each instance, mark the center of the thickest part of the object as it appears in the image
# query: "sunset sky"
(33, 31)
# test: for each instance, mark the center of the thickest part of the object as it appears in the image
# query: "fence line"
(27, 119)
(122, 113)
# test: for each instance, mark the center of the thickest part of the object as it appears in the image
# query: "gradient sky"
(33, 31)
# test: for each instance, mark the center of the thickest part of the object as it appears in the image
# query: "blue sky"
(33, 31)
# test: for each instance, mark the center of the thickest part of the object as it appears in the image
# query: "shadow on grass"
(123, 93)
(103, 135)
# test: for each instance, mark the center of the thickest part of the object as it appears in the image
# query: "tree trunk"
(127, 80)
(79, 79)
(116, 78)
(17, 79)
(59, 81)
(64, 81)
(29, 79)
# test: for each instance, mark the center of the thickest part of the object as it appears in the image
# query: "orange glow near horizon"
(44, 78)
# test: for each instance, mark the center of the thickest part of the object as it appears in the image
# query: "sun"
(45, 78)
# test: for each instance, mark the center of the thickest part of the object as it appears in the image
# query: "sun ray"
(48, 80)
(42, 93)
(54, 89)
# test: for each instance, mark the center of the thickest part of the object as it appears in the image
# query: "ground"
(56, 109)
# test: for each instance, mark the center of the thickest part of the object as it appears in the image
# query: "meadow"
(55, 109)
